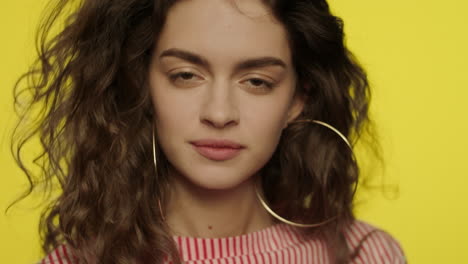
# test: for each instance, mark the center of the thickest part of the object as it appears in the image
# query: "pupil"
(186, 75)
(256, 82)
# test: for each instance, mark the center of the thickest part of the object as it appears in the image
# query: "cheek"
(269, 123)
(265, 122)
(172, 121)
(172, 109)
(267, 113)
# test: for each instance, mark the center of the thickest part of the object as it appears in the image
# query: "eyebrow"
(243, 65)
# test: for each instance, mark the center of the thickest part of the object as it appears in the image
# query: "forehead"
(224, 29)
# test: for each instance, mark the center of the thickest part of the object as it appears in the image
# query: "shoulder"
(370, 244)
(60, 255)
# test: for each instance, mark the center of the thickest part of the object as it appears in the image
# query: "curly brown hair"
(95, 120)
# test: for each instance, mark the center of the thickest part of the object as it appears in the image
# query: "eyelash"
(267, 85)
(175, 76)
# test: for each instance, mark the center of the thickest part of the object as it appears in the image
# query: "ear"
(295, 109)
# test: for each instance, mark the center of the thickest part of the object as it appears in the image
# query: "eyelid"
(178, 71)
(267, 80)
(260, 76)
(184, 69)
(267, 85)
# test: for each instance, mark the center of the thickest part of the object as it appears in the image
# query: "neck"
(197, 212)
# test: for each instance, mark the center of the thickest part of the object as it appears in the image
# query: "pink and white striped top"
(277, 244)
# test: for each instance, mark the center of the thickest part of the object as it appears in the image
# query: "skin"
(225, 78)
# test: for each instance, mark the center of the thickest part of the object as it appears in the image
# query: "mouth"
(217, 150)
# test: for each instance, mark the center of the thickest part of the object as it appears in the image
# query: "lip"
(216, 149)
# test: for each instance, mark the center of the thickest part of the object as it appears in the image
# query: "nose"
(219, 108)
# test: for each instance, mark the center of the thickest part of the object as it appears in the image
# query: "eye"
(259, 84)
(185, 78)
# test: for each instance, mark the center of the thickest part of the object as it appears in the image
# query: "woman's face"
(221, 72)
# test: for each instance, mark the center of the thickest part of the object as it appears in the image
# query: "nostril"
(219, 123)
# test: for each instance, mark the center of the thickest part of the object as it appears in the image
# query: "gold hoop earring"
(156, 172)
(275, 215)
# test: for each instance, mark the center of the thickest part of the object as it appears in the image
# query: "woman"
(202, 132)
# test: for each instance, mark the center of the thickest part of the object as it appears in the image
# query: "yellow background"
(416, 56)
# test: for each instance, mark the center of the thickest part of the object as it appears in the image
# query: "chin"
(215, 186)
(214, 178)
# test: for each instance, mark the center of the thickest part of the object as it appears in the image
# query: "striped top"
(277, 244)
